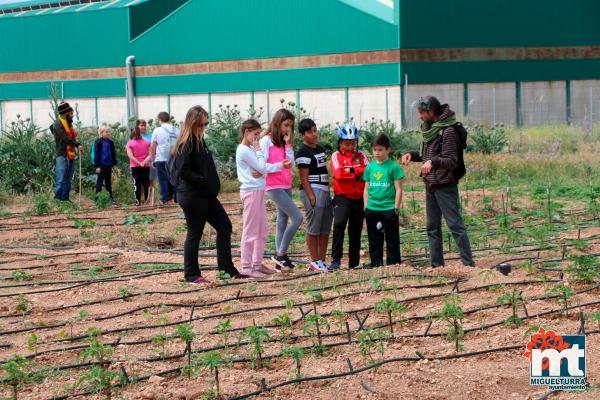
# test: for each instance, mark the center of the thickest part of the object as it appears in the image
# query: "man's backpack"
(174, 169)
(461, 137)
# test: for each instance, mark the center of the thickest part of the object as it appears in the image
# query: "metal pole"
(297, 101)
(591, 110)
(1, 121)
(210, 107)
(347, 104)
(494, 107)
(31, 110)
(518, 116)
(252, 100)
(568, 101)
(387, 105)
(268, 108)
(169, 104)
(402, 108)
(466, 99)
(96, 110)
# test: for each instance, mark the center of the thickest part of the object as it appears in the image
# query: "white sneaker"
(324, 265)
(316, 266)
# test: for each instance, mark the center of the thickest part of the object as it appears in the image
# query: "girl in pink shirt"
(277, 147)
(138, 151)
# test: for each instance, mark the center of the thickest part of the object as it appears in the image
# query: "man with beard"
(66, 141)
(441, 154)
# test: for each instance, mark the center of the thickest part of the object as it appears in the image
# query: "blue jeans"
(65, 168)
(167, 191)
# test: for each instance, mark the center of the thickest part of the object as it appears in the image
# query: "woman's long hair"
(275, 127)
(191, 131)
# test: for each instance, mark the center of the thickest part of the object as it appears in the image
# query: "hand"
(256, 144)
(312, 199)
(406, 159)
(256, 174)
(80, 148)
(288, 139)
(98, 170)
(426, 168)
(287, 164)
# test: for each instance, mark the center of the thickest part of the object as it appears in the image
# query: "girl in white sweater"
(251, 169)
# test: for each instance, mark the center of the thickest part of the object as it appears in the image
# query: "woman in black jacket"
(197, 190)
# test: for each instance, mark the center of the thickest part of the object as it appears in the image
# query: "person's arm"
(114, 154)
(255, 160)
(366, 195)
(264, 146)
(186, 172)
(131, 156)
(398, 199)
(448, 158)
(340, 173)
(364, 161)
(153, 151)
(303, 172)
(61, 135)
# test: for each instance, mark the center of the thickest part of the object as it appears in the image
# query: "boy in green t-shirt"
(382, 198)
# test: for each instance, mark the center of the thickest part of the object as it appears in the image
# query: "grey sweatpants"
(286, 210)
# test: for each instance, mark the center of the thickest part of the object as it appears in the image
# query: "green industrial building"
(339, 59)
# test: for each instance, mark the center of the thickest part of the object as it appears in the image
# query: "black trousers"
(198, 211)
(104, 179)
(390, 230)
(141, 181)
(440, 202)
(351, 213)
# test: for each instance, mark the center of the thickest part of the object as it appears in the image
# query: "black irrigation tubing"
(27, 268)
(256, 309)
(35, 246)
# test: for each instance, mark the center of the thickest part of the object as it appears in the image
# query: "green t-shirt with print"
(381, 177)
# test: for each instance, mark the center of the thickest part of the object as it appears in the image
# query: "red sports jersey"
(346, 183)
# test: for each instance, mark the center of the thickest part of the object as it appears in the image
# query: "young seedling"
(390, 307)
(186, 333)
(340, 317)
(23, 305)
(258, 337)
(213, 360)
(20, 275)
(452, 315)
(99, 378)
(564, 293)
(296, 353)
(284, 322)
(32, 342)
(223, 328)
(371, 340)
(161, 339)
(596, 317)
(514, 299)
(584, 268)
(16, 373)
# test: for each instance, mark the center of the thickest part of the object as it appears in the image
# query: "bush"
(487, 140)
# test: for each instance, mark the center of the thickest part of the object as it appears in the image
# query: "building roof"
(44, 7)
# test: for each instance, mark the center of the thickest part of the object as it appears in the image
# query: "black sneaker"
(282, 263)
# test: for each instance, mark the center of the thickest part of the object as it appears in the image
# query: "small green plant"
(296, 353)
(186, 333)
(135, 219)
(452, 315)
(340, 317)
(313, 326)
(258, 336)
(514, 299)
(32, 342)
(102, 200)
(125, 292)
(20, 275)
(213, 360)
(284, 322)
(23, 305)
(161, 340)
(564, 293)
(371, 340)
(584, 268)
(16, 373)
(99, 378)
(390, 307)
(223, 328)
(223, 276)
(84, 223)
(41, 204)
(596, 317)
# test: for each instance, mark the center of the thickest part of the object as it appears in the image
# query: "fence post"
(387, 105)
(591, 110)
(169, 104)
(96, 111)
(1, 121)
(297, 101)
(347, 104)
(494, 106)
(268, 108)
(402, 108)
(252, 100)
(31, 110)
(518, 103)
(466, 99)
(568, 101)
(210, 107)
